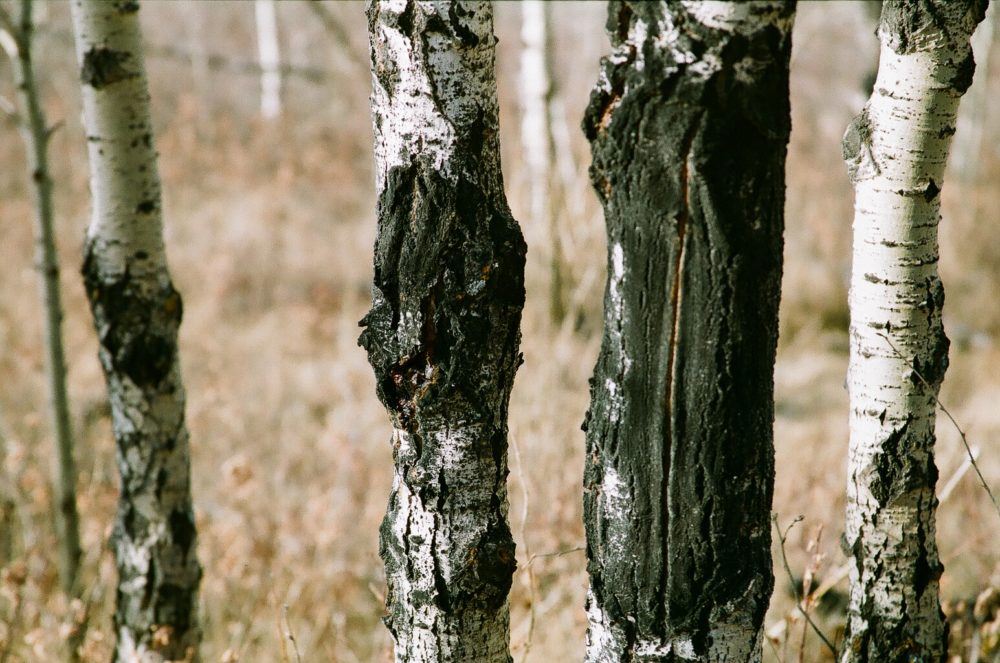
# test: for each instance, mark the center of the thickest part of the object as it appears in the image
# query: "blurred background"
(270, 224)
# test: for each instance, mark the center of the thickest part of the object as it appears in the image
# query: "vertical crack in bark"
(681, 220)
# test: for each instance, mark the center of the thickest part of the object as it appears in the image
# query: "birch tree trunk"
(137, 313)
(688, 127)
(443, 331)
(269, 55)
(35, 132)
(537, 138)
(896, 151)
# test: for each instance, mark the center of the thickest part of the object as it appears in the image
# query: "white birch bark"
(137, 312)
(35, 132)
(269, 54)
(442, 334)
(896, 151)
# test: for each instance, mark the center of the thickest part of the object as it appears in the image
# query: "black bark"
(688, 160)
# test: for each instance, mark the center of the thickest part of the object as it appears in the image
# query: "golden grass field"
(270, 228)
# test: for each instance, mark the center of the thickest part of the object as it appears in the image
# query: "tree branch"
(782, 537)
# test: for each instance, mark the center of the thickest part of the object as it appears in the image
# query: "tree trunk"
(688, 127)
(896, 151)
(35, 132)
(537, 138)
(443, 331)
(137, 313)
(270, 58)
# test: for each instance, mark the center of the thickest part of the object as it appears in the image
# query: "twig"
(558, 553)
(290, 634)
(782, 537)
(532, 597)
(7, 24)
(961, 433)
(10, 110)
(949, 485)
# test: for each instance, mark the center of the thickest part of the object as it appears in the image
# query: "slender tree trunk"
(35, 132)
(688, 127)
(270, 58)
(896, 151)
(537, 138)
(137, 313)
(443, 331)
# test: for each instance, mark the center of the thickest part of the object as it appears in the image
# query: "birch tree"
(36, 132)
(688, 126)
(137, 312)
(269, 55)
(896, 151)
(537, 138)
(443, 331)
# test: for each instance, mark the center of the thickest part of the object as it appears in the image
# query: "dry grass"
(270, 234)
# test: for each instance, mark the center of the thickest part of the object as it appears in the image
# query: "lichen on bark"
(688, 127)
(443, 332)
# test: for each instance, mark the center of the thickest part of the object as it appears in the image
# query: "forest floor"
(270, 229)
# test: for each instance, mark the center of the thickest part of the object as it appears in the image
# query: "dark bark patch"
(137, 328)
(127, 6)
(964, 71)
(909, 26)
(182, 529)
(104, 66)
(931, 192)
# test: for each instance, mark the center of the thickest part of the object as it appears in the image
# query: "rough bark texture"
(35, 131)
(443, 331)
(688, 126)
(896, 151)
(137, 312)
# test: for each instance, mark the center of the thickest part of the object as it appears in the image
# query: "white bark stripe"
(434, 87)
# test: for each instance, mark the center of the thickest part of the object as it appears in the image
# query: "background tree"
(688, 126)
(137, 313)
(443, 331)
(36, 132)
(896, 151)
(538, 141)
(269, 56)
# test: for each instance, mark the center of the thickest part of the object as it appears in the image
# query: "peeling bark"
(443, 332)
(896, 151)
(688, 127)
(137, 313)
